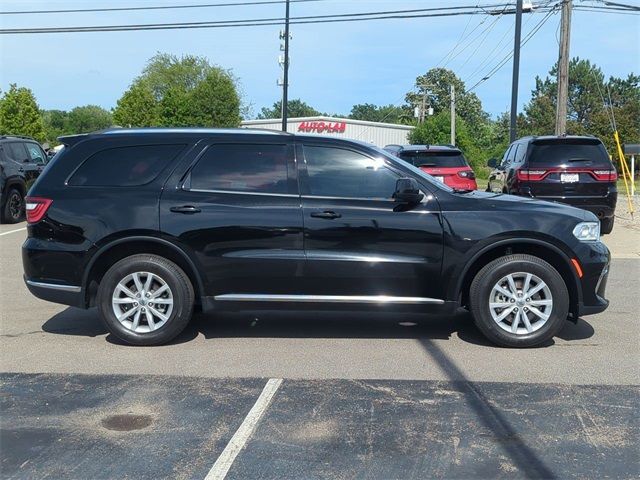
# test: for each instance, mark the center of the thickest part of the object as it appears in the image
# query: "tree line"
(189, 91)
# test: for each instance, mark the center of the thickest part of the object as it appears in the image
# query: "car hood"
(501, 201)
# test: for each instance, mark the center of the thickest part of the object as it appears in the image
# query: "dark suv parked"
(145, 224)
(568, 169)
(21, 161)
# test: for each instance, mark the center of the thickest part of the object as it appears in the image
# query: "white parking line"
(238, 441)
(13, 231)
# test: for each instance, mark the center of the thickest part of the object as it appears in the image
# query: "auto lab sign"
(322, 127)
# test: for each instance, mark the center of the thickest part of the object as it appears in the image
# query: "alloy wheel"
(142, 302)
(520, 303)
(15, 206)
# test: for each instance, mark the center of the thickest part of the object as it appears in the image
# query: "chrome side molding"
(380, 299)
(54, 286)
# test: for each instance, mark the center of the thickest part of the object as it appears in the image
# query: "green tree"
(296, 108)
(180, 91)
(20, 115)
(435, 88)
(88, 118)
(586, 109)
(56, 124)
(137, 107)
(383, 113)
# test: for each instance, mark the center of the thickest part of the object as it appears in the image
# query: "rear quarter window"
(124, 166)
(574, 153)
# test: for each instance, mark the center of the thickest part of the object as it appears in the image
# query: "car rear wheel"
(606, 225)
(13, 211)
(519, 301)
(145, 300)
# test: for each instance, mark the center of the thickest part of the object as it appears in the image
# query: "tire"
(606, 225)
(13, 210)
(174, 301)
(552, 301)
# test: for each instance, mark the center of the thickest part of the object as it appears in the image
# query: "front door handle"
(185, 209)
(326, 214)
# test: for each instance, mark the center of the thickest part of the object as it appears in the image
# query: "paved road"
(385, 396)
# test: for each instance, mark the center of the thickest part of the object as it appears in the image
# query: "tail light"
(36, 207)
(531, 175)
(605, 175)
(467, 174)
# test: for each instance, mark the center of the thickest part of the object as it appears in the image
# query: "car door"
(17, 152)
(37, 157)
(497, 177)
(236, 210)
(511, 168)
(358, 240)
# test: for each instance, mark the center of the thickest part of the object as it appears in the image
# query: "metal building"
(379, 134)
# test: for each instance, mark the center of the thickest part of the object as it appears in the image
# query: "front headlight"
(587, 231)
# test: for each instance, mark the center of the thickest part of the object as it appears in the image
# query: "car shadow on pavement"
(309, 324)
(527, 461)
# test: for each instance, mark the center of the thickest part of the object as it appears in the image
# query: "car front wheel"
(519, 301)
(145, 300)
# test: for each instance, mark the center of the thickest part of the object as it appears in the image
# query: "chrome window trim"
(239, 192)
(375, 299)
(54, 286)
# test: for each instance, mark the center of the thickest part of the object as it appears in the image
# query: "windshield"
(577, 153)
(415, 170)
(434, 159)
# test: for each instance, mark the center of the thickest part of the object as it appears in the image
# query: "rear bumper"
(602, 207)
(57, 293)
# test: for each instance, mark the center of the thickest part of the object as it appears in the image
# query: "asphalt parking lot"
(317, 395)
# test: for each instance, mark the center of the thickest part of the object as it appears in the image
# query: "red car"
(443, 162)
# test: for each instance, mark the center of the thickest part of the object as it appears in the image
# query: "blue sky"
(333, 66)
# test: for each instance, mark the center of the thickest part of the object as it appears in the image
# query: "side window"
(336, 172)
(36, 154)
(243, 168)
(519, 157)
(15, 151)
(512, 154)
(124, 166)
(506, 156)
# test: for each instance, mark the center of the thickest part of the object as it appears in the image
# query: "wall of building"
(379, 134)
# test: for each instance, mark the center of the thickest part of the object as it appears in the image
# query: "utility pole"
(452, 91)
(285, 83)
(516, 73)
(563, 68)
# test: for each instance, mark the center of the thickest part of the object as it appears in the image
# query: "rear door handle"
(185, 209)
(326, 214)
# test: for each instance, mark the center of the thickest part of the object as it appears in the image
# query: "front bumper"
(595, 262)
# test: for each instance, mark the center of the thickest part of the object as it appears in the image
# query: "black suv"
(147, 224)
(21, 161)
(568, 169)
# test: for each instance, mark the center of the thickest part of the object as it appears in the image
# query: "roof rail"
(9, 135)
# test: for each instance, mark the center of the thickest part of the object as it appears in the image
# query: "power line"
(500, 48)
(348, 17)
(503, 62)
(155, 7)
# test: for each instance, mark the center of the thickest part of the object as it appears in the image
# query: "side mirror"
(492, 163)
(26, 160)
(407, 191)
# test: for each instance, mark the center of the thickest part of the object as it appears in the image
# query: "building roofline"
(321, 118)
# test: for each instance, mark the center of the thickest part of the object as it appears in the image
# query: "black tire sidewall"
(494, 271)
(180, 288)
(6, 213)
